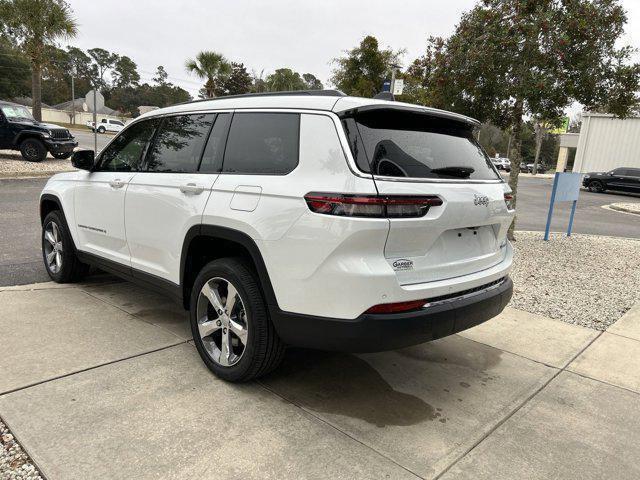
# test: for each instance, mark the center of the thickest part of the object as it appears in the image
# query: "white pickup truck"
(107, 125)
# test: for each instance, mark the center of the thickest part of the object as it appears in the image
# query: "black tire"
(70, 269)
(62, 155)
(101, 130)
(264, 350)
(596, 186)
(33, 150)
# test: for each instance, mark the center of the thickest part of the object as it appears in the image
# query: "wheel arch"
(25, 134)
(49, 203)
(204, 243)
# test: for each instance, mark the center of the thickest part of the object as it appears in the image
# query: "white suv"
(311, 219)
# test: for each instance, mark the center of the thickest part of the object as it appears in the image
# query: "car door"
(100, 194)
(615, 179)
(627, 180)
(634, 180)
(168, 196)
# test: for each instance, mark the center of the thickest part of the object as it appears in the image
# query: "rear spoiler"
(405, 107)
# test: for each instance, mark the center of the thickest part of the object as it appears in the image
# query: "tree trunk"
(516, 158)
(36, 91)
(540, 131)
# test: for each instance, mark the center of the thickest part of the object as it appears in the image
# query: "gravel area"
(627, 207)
(585, 280)
(14, 463)
(13, 165)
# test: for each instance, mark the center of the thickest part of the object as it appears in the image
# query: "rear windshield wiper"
(459, 172)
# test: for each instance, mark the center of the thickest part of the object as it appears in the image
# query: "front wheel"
(101, 130)
(230, 323)
(58, 250)
(596, 186)
(62, 155)
(33, 150)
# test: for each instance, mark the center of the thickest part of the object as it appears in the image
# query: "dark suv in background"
(20, 131)
(622, 179)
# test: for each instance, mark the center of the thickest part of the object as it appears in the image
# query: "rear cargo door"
(414, 155)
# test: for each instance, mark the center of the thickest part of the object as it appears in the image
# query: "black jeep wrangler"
(19, 131)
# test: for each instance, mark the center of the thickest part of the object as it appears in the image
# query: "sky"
(265, 35)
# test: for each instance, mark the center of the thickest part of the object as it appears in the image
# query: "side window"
(178, 145)
(213, 152)
(262, 143)
(104, 120)
(634, 172)
(125, 152)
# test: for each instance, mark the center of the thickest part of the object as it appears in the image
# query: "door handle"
(191, 189)
(117, 183)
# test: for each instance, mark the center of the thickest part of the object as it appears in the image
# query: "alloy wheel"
(53, 247)
(222, 321)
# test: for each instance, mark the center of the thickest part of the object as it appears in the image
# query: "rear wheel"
(33, 150)
(58, 250)
(596, 186)
(230, 323)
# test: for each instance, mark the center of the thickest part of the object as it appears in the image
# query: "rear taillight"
(508, 199)
(397, 307)
(390, 206)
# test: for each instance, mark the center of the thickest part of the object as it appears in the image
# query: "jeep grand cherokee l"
(311, 219)
(20, 131)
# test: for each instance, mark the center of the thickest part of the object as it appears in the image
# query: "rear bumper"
(379, 332)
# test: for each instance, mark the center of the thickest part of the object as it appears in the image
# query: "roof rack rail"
(315, 93)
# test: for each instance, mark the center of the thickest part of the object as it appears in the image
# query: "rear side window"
(414, 145)
(262, 143)
(125, 152)
(178, 145)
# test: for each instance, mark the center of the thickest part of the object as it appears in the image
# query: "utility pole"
(95, 120)
(73, 101)
(393, 79)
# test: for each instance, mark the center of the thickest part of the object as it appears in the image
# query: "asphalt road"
(85, 139)
(21, 262)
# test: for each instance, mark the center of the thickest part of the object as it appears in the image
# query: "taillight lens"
(389, 206)
(397, 307)
(508, 199)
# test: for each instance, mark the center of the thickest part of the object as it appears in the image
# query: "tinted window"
(178, 145)
(355, 143)
(633, 172)
(125, 152)
(213, 152)
(262, 143)
(405, 144)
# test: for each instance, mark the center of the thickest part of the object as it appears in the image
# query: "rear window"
(395, 143)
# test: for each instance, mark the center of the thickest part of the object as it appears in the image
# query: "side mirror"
(83, 159)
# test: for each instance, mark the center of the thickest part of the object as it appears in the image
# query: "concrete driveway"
(99, 380)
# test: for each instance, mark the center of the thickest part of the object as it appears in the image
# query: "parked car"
(502, 163)
(311, 219)
(623, 179)
(107, 125)
(21, 132)
(528, 167)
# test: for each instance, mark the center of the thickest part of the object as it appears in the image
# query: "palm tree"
(210, 66)
(37, 24)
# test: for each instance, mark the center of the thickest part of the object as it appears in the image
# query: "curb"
(615, 207)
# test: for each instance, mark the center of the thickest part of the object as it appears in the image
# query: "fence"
(63, 116)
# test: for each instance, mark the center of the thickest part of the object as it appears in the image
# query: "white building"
(604, 143)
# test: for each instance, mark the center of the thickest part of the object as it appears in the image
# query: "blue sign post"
(566, 188)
